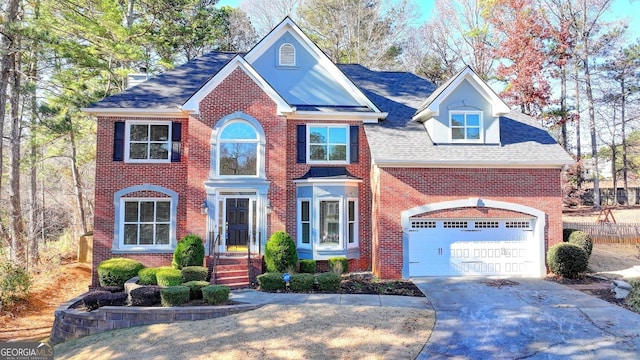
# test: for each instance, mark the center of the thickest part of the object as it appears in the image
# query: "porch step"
(233, 281)
(232, 270)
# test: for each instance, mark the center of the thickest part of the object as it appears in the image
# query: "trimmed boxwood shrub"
(328, 282)
(307, 266)
(301, 282)
(195, 288)
(147, 276)
(145, 296)
(189, 252)
(174, 295)
(97, 299)
(215, 294)
(271, 282)
(116, 271)
(194, 273)
(567, 260)
(339, 264)
(583, 240)
(169, 277)
(280, 252)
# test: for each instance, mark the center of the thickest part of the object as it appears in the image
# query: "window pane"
(351, 233)
(457, 120)
(139, 132)
(305, 233)
(318, 135)
(146, 234)
(147, 211)
(473, 120)
(159, 151)
(238, 158)
(131, 234)
(457, 133)
(162, 234)
(318, 152)
(338, 152)
(352, 210)
(159, 132)
(338, 135)
(329, 223)
(304, 216)
(163, 211)
(238, 131)
(131, 211)
(138, 150)
(473, 133)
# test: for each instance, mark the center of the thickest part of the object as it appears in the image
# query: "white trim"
(322, 181)
(193, 104)
(540, 221)
(328, 143)
(464, 113)
(136, 112)
(356, 223)
(299, 236)
(127, 141)
(287, 25)
(365, 117)
(432, 108)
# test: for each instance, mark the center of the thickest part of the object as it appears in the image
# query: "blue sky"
(620, 9)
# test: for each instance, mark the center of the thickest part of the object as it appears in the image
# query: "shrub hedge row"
(302, 282)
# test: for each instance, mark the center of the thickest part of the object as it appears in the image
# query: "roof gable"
(315, 81)
(431, 106)
(192, 104)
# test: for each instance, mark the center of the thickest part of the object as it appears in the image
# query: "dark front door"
(237, 222)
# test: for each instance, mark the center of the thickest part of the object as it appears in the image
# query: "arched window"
(238, 149)
(287, 56)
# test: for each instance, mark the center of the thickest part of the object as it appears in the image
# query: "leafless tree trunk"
(624, 141)
(77, 185)
(15, 206)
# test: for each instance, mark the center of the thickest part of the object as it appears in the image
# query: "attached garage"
(473, 246)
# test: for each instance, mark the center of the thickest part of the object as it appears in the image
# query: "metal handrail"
(216, 257)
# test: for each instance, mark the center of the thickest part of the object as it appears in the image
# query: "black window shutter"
(176, 144)
(118, 141)
(353, 144)
(301, 144)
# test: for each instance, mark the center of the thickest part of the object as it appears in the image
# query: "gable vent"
(287, 55)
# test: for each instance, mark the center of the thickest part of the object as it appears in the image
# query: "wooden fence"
(608, 233)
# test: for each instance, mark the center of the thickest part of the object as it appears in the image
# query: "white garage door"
(450, 247)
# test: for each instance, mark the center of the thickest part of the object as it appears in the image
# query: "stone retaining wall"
(73, 324)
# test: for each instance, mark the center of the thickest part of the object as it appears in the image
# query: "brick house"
(381, 167)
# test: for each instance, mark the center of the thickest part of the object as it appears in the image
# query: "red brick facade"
(400, 189)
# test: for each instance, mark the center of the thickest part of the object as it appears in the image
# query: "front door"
(237, 224)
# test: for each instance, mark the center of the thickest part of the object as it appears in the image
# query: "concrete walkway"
(534, 319)
(258, 297)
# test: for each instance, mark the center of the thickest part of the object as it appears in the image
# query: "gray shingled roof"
(397, 139)
(400, 140)
(170, 89)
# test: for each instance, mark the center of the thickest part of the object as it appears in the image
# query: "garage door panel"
(484, 247)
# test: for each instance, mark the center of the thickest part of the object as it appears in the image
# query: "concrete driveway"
(535, 319)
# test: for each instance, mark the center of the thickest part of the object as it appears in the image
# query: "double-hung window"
(466, 126)
(328, 144)
(146, 222)
(148, 141)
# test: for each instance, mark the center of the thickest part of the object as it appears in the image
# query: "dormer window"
(466, 126)
(287, 55)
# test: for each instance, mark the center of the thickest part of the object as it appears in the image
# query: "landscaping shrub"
(174, 295)
(215, 294)
(567, 260)
(271, 282)
(339, 264)
(145, 296)
(116, 271)
(111, 289)
(169, 277)
(280, 252)
(633, 299)
(583, 240)
(195, 287)
(98, 299)
(301, 282)
(147, 276)
(189, 252)
(14, 284)
(307, 266)
(328, 282)
(194, 273)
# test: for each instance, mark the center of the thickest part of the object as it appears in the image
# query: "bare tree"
(265, 15)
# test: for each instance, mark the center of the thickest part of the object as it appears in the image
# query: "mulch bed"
(370, 285)
(592, 285)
